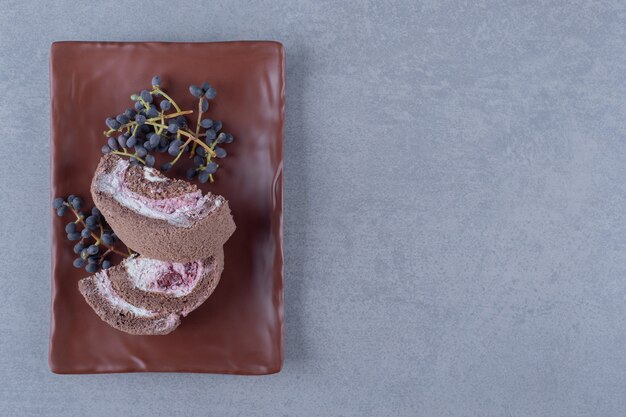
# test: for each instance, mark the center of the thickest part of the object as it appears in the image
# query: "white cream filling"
(145, 272)
(152, 175)
(112, 184)
(106, 290)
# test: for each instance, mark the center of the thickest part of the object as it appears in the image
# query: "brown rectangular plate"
(239, 329)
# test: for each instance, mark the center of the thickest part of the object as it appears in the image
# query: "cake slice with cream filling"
(160, 217)
(172, 286)
(148, 296)
(119, 313)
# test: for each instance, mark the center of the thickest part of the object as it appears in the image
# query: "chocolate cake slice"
(119, 313)
(159, 217)
(167, 286)
(147, 296)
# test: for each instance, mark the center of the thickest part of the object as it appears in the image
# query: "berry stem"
(130, 155)
(193, 147)
(189, 135)
(161, 92)
(146, 105)
(109, 250)
(180, 152)
(152, 119)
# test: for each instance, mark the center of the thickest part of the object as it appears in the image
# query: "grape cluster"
(94, 240)
(158, 124)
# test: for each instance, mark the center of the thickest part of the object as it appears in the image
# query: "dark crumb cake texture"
(136, 182)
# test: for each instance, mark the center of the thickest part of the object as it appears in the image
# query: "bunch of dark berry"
(95, 240)
(162, 127)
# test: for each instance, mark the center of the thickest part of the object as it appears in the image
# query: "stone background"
(455, 192)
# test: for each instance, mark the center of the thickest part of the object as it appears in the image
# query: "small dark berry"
(146, 96)
(78, 247)
(57, 203)
(122, 118)
(204, 104)
(156, 81)
(173, 149)
(77, 203)
(78, 263)
(96, 212)
(112, 143)
(210, 135)
(140, 119)
(138, 106)
(220, 152)
(211, 167)
(92, 268)
(93, 249)
(191, 172)
(130, 113)
(181, 121)
(112, 123)
(198, 160)
(131, 141)
(195, 91)
(108, 239)
(61, 211)
(73, 236)
(106, 264)
(150, 160)
(154, 140)
(105, 149)
(206, 123)
(141, 151)
(121, 140)
(70, 227)
(201, 151)
(210, 93)
(203, 176)
(229, 138)
(152, 112)
(165, 105)
(166, 166)
(221, 138)
(172, 128)
(85, 233)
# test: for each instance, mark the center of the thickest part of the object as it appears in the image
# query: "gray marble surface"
(455, 209)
